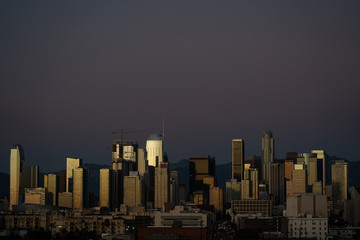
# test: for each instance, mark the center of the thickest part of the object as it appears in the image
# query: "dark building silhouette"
(237, 163)
(201, 167)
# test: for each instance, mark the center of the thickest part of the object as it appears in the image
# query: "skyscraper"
(155, 149)
(162, 188)
(339, 180)
(105, 191)
(321, 167)
(71, 163)
(200, 167)
(267, 156)
(133, 190)
(31, 176)
(51, 184)
(142, 161)
(17, 162)
(80, 187)
(237, 159)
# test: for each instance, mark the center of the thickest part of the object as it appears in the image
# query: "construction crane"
(121, 132)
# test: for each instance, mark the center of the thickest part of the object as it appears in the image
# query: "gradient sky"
(73, 72)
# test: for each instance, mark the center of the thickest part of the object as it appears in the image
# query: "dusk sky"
(71, 72)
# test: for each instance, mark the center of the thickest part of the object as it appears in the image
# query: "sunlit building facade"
(155, 149)
(17, 163)
(71, 164)
(106, 176)
(162, 188)
(80, 187)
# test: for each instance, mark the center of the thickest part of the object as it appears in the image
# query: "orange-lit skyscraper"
(71, 164)
(80, 187)
(17, 162)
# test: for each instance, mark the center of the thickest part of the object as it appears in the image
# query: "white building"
(155, 149)
(307, 227)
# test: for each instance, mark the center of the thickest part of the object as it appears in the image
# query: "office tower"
(255, 162)
(36, 196)
(217, 199)
(312, 177)
(267, 156)
(155, 149)
(339, 180)
(237, 165)
(142, 161)
(62, 181)
(133, 190)
(317, 187)
(174, 187)
(17, 163)
(245, 189)
(200, 167)
(80, 178)
(66, 199)
(233, 190)
(71, 164)
(289, 166)
(130, 152)
(105, 190)
(31, 176)
(254, 179)
(299, 180)
(120, 169)
(277, 182)
(321, 167)
(51, 185)
(162, 187)
(150, 187)
(124, 149)
(182, 193)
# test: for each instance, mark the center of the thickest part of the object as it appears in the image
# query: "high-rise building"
(142, 161)
(133, 190)
(31, 176)
(277, 182)
(51, 185)
(162, 187)
(217, 199)
(339, 180)
(200, 167)
(71, 164)
(62, 181)
(17, 163)
(245, 189)
(267, 156)
(312, 173)
(105, 191)
(289, 166)
(321, 167)
(233, 190)
(80, 178)
(255, 162)
(174, 187)
(237, 165)
(155, 149)
(299, 181)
